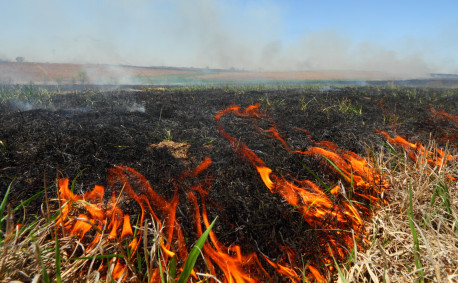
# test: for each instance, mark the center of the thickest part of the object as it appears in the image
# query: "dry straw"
(414, 238)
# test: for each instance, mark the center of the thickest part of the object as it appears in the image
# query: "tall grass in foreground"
(414, 238)
(39, 252)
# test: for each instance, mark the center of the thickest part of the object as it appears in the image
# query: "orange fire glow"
(95, 218)
(317, 207)
(436, 157)
(97, 215)
(337, 217)
(235, 266)
(454, 118)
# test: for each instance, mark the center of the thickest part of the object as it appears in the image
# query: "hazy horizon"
(408, 37)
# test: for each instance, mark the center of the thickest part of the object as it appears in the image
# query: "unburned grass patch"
(414, 237)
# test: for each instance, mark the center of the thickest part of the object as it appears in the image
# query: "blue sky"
(400, 36)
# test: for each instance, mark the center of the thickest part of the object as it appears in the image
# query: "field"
(100, 75)
(203, 158)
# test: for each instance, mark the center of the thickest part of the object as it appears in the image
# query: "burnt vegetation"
(49, 133)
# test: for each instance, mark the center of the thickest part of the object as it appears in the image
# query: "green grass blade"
(351, 178)
(139, 262)
(160, 266)
(192, 257)
(44, 272)
(445, 195)
(335, 166)
(72, 188)
(173, 267)
(326, 187)
(5, 200)
(341, 275)
(24, 203)
(2, 146)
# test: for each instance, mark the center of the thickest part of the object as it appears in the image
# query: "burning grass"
(413, 236)
(290, 204)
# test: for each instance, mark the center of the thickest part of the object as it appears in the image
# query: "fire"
(317, 207)
(450, 135)
(125, 181)
(96, 217)
(235, 266)
(434, 157)
(336, 217)
(454, 118)
(81, 226)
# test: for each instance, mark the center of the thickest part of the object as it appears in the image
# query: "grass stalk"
(192, 258)
(416, 244)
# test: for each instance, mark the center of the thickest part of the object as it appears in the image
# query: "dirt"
(162, 132)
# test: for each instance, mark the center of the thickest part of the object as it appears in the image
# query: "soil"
(162, 132)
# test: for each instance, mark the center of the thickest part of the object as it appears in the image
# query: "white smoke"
(208, 33)
(136, 107)
(22, 105)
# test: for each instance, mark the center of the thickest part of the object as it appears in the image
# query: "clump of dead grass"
(39, 251)
(413, 238)
(31, 253)
(42, 251)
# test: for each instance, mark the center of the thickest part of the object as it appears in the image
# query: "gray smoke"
(22, 105)
(136, 107)
(210, 33)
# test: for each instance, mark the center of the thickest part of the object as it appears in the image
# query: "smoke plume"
(206, 33)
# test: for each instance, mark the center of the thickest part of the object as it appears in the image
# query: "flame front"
(335, 217)
(235, 266)
(125, 180)
(318, 209)
(434, 157)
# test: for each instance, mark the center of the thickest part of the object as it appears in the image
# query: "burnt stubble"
(94, 130)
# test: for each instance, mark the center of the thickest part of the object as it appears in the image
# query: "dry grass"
(25, 253)
(414, 238)
(30, 254)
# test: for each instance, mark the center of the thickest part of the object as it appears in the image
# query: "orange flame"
(126, 228)
(334, 220)
(96, 216)
(285, 270)
(118, 270)
(96, 195)
(454, 118)
(434, 158)
(316, 206)
(65, 192)
(81, 226)
(235, 266)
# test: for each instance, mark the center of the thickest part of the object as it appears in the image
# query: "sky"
(404, 36)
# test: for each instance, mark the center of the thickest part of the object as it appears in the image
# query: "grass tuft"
(412, 238)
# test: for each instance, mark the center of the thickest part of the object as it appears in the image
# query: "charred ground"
(61, 134)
